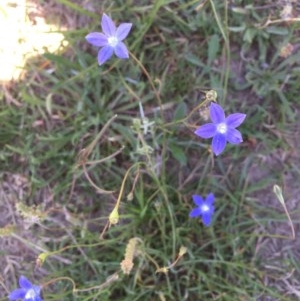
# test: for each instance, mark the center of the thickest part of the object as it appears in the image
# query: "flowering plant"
(27, 292)
(110, 40)
(205, 208)
(221, 129)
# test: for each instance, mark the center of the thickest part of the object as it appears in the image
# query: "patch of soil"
(277, 252)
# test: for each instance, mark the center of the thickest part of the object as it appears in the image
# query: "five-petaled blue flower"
(27, 292)
(222, 129)
(110, 40)
(205, 208)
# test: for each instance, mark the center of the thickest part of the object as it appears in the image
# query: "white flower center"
(222, 128)
(30, 295)
(204, 208)
(113, 41)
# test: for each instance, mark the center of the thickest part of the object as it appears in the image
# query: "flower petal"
(206, 218)
(195, 212)
(37, 291)
(123, 31)
(104, 54)
(217, 114)
(25, 283)
(121, 51)
(218, 144)
(198, 200)
(206, 131)
(18, 293)
(108, 26)
(210, 199)
(234, 120)
(97, 39)
(234, 136)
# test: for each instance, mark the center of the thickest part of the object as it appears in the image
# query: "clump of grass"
(114, 148)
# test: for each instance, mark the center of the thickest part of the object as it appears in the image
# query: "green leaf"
(178, 154)
(249, 35)
(240, 10)
(277, 30)
(213, 48)
(286, 104)
(180, 111)
(237, 28)
(196, 61)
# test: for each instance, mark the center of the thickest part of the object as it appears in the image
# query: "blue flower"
(27, 292)
(222, 129)
(205, 208)
(110, 40)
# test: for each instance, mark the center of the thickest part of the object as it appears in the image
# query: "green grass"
(185, 50)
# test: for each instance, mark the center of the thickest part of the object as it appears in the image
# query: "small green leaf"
(213, 48)
(195, 60)
(277, 30)
(178, 154)
(249, 35)
(180, 111)
(237, 28)
(240, 10)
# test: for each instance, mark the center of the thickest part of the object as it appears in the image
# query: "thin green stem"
(224, 33)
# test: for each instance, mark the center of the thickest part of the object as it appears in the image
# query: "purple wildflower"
(27, 292)
(110, 40)
(205, 208)
(222, 129)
